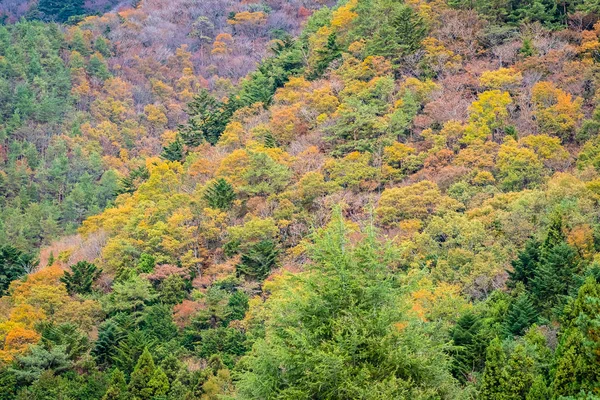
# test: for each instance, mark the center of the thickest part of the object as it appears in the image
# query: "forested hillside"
(372, 199)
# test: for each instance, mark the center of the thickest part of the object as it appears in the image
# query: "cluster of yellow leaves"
(39, 297)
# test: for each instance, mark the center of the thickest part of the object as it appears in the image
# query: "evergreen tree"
(525, 265)
(259, 260)
(117, 390)
(13, 265)
(173, 151)
(521, 315)
(159, 383)
(539, 390)
(81, 278)
(555, 276)
(60, 10)
(105, 347)
(220, 194)
(494, 379)
(208, 119)
(519, 374)
(139, 384)
(469, 346)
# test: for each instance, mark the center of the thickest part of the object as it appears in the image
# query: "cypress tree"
(117, 389)
(139, 385)
(493, 381)
(520, 374)
(159, 383)
(539, 390)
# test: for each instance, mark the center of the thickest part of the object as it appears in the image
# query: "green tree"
(525, 265)
(338, 331)
(13, 265)
(220, 194)
(81, 277)
(521, 315)
(173, 151)
(139, 384)
(259, 260)
(494, 379)
(117, 389)
(208, 119)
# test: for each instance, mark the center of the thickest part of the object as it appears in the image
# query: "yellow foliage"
(501, 79)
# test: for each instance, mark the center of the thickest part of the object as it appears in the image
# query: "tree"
(13, 265)
(494, 379)
(354, 341)
(554, 277)
(521, 315)
(174, 151)
(259, 260)
(139, 385)
(208, 119)
(220, 194)
(469, 345)
(525, 265)
(61, 10)
(117, 390)
(81, 278)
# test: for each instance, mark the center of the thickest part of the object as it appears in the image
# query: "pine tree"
(493, 381)
(521, 315)
(525, 265)
(81, 278)
(259, 260)
(139, 384)
(173, 151)
(220, 194)
(13, 265)
(117, 389)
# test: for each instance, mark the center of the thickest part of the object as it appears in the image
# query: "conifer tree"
(539, 390)
(494, 379)
(519, 373)
(525, 265)
(159, 383)
(259, 260)
(117, 390)
(521, 315)
(81, 277)
(469, 346)
(173, 151)
(554, 277)
(220, 194)
(139, 384)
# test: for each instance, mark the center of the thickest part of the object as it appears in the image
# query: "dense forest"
(303, 199)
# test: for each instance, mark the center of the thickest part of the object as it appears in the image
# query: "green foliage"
(349, 304)
(117, 389)
(521, 315)
(13, 265)
(174, 151)
(81, 277)
(220, 194)
(208, 119)
(259, 260)
(143, 384)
